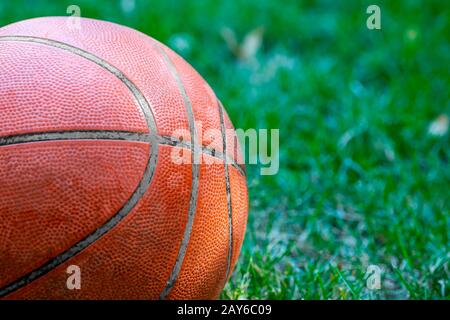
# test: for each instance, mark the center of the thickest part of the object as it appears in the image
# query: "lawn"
(363, 180)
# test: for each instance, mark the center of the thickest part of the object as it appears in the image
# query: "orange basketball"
(110, 163)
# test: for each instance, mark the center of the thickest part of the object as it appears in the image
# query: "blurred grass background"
(363, 179)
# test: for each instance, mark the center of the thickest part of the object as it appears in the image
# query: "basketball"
(120, 174)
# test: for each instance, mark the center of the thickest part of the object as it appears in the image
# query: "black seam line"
(171, 141)
(228, 189)
(137, 194)
(74, 135)
(111, 135)
(196, 151)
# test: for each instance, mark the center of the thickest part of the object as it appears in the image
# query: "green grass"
(361, 181)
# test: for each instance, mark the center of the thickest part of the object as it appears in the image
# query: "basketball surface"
(92, 121)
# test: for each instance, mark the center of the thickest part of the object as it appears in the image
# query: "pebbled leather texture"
(54, 194)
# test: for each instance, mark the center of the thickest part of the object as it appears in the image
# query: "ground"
(363, 180)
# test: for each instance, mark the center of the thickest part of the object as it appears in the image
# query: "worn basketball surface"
(92, 121)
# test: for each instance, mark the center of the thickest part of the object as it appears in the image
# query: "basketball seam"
(137, 194)
(73, 135)
(112, 135)
(168, 140)
(195, 176)
(228, 189)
